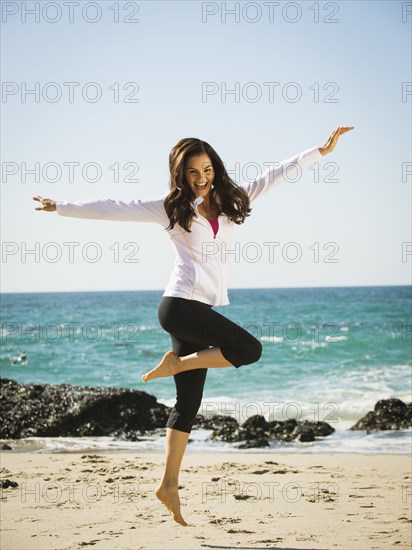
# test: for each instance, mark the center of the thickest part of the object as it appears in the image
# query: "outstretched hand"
(48, 205)
(333, 139)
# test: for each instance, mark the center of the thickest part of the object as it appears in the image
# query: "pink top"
(215, 226)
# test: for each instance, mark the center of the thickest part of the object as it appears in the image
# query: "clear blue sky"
(360, 61)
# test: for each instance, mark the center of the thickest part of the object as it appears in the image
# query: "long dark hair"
(234, 201)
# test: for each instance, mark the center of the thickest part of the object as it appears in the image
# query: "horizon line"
(230, 289)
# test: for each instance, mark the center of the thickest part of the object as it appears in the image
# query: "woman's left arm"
(274, 175)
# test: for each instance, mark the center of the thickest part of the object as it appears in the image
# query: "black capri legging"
(194, 326)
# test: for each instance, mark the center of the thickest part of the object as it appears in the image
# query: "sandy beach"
(255, 500)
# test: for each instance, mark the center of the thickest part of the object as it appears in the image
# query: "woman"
(199, 213)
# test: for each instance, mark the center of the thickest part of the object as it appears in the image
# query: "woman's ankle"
(169, 484)
(175, 366)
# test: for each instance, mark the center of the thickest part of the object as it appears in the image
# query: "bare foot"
(170, 498)
(166, 367)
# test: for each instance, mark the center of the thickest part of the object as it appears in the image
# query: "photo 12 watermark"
(57, 332)
(54, 13)
(270, 12)
(270, 252)
(273, 410)
(290, 492)
(69, 172)
(53, 252)
(269, 92)
(276, 172)
(406, 172)
(69, 492)
(69, 92)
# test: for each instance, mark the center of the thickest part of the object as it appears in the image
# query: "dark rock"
(5, 483)
(319, 428)
(227, 429)
(260, 442)
(388, 414)
(292, 430)
(47, 410)
(127, 435)
(5, 447)
(63, 410)
(282, 429)
(303, 433)
(255, 427)
(390, 408)
(212, 422)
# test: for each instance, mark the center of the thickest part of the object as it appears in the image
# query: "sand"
(245, 501)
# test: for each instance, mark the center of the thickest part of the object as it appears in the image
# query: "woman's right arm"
(146, 210)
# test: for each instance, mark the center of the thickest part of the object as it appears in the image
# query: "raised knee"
(253, 351)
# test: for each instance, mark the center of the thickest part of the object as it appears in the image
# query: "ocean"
(328, 354)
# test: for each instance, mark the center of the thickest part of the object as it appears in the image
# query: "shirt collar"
(200, 199)
(197, 200)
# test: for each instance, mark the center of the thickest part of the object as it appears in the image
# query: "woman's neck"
(208, 207)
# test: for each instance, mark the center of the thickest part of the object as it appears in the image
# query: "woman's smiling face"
(199, 174)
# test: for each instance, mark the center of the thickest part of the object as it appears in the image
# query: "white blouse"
(201, 270)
